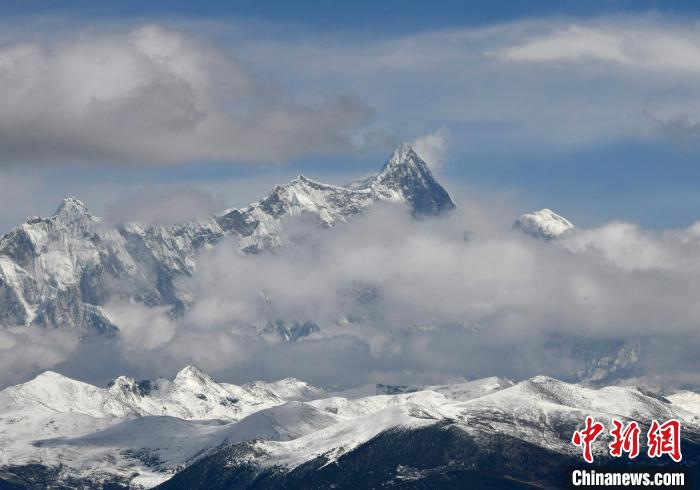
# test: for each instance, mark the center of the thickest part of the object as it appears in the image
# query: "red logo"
(661, 439)
(665, 439)
(587, 436)
(625, 440)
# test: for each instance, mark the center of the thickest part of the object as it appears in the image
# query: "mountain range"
(193, 432)
(58, 271)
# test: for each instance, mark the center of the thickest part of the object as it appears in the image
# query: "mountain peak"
(406, 177)
(71, 206)
(404, 155)
(544, 224)
(192, 373)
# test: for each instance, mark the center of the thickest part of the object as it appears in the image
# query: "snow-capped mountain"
(544, 224)
(58, 271)
(405, 178)
(97, 432)
(193, 432)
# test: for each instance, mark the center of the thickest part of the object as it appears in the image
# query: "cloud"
(400, 301)
(140, 326)
(432, 147)
(539, 86)
(155, 95)
(649, 46)
(27, 351)
(258, 93)
(575, 43)
(163, 205)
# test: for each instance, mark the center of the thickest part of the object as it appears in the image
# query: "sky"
(163, 112)
(589, 107)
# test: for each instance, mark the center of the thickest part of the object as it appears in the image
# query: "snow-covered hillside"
(143, 433)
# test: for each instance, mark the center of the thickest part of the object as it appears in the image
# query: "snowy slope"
(145, 427)
(191, 395)
(404, 178)
(144, 433)
(544, 224)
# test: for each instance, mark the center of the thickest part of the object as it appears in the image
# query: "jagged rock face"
(408, 176)
(544, 224)
(405, 178)
(57, 272)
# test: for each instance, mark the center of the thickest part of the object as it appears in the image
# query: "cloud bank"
(400, 301)
(260, 93)
(157, 96)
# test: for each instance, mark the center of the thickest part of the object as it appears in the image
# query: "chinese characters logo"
(661, 439)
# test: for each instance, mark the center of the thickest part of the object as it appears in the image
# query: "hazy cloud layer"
(26, 352)
(419, 302)
(669, 48)
(155, 95)
(539, 86)
(163, 205)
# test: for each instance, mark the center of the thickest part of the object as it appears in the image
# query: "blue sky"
(319, 14)
(587, 107)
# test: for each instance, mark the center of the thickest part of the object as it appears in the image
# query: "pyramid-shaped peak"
(71, 205)
(406, 177)
(192, 372)
(404, 148)
(404, 155)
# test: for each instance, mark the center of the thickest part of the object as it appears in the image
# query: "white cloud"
(650, 46)
(536, 86)
(575, 43)
(155, 95)
(404, 301)
(432, 147)
(141, 327)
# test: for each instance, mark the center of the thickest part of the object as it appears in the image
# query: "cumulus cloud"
(155, 95)
(401, 301)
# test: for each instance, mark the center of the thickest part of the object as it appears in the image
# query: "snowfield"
(142, 433)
